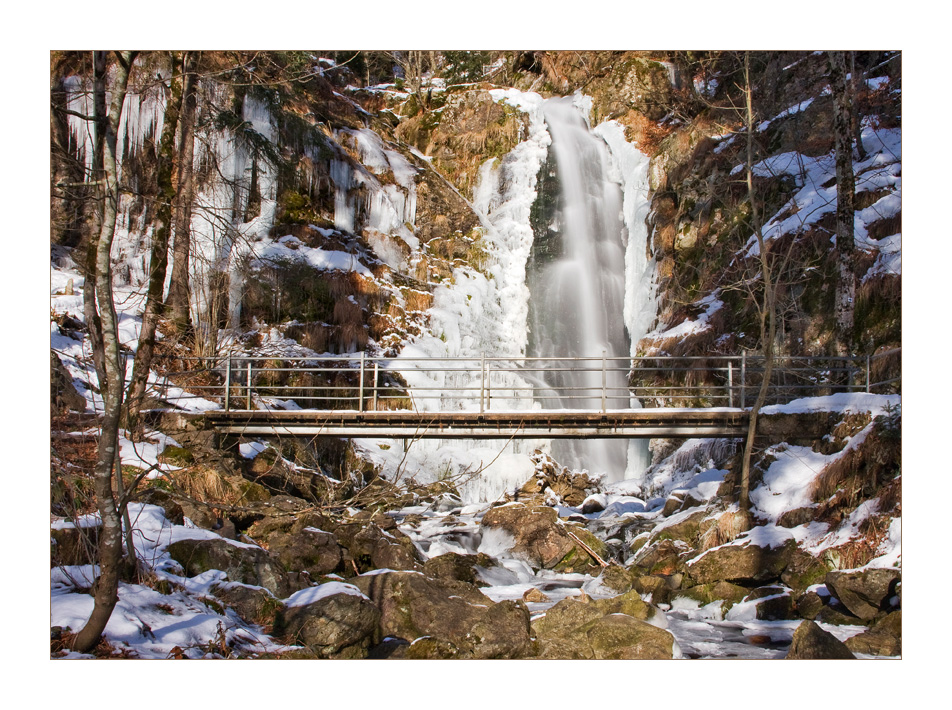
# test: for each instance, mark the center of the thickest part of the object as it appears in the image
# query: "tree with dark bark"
(178, 297)
(768, 320)
(158, 263)
(845, 212)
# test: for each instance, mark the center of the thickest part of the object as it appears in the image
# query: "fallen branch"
(585, 547)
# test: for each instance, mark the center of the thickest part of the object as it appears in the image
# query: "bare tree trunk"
(856, 116)
(178, 300)
(768, 328)
(90, 311)
(845, 188)
(159, 260)
(110, 540)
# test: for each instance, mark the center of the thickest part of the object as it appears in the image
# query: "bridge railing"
(364, 383)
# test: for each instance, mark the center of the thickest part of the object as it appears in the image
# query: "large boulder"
(741, 563)
(883, 638)
(455, 614)
(812, 642)
(803, 570)
(613, 628)
(311, 550)
(543, 540)
(240, 562)
(662, 558)
(454, 566)
(725, 592)
(253, 604)
(369, 547)
(771, 603)
(684, 526)
(333, 620)
(272, 471)
(865, 593)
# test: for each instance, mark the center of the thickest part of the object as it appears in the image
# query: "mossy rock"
(617, 578)
(413, 605)
(803, 570)
(747, 563)
(342, 626)
(176, 456)
(812, 642)
(241, 563)
(725, 592)
(575, 629)
(687, 528)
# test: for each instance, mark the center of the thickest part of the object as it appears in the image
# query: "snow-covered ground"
(484, 313)
(148, 624)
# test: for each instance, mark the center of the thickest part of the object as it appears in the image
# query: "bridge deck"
(537, 424)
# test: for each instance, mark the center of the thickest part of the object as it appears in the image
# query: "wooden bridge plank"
(544, 424)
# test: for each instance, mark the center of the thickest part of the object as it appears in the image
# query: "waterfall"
(577, 281)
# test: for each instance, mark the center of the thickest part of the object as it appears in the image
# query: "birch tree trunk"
(845, 188)
(90, 310)
(110, 539)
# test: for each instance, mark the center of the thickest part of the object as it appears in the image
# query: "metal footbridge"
(503, 398)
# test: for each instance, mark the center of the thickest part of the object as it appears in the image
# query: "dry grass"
(417, 300)
(859, 474)
(862, 550)
(346, 312)
(315, 336)
(644, 132)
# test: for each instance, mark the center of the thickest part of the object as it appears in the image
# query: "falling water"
(576, 278)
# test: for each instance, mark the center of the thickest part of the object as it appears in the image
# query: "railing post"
(743, 379)
(360, 388)
(730, 383)
(604, 380)
(376, 371)
(248, 393)
(228, 383)
(868, 366)
(482, 383)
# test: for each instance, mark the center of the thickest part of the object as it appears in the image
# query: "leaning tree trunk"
(768, 328)
(110, 539)
(845, 187)
(158, 263)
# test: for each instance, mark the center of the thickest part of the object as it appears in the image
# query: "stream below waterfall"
(700, 631)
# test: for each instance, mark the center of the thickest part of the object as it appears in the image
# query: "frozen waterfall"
(578, 282)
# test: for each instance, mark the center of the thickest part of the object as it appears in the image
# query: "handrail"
(363, 382)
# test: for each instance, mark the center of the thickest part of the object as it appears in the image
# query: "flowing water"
(576, 278)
